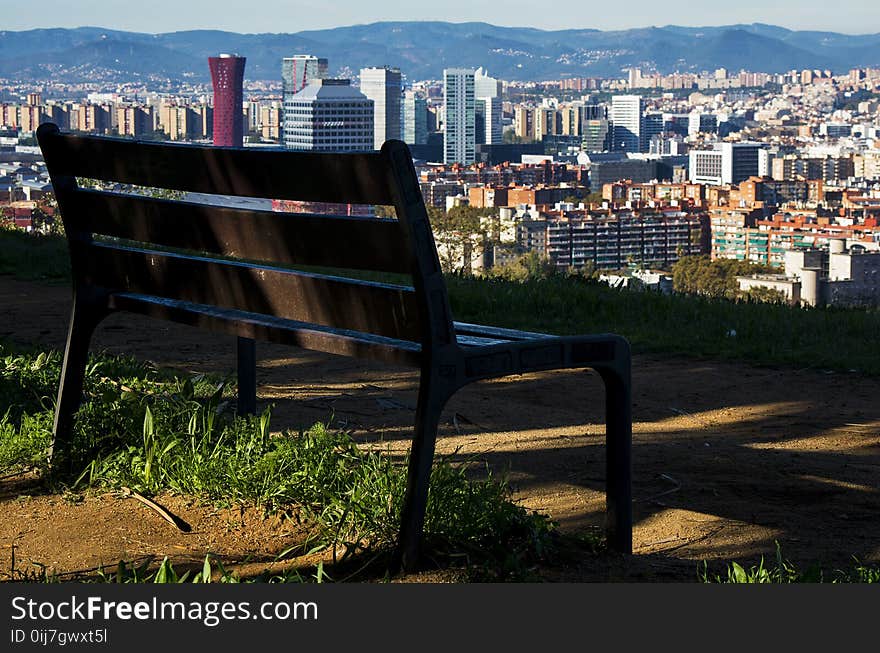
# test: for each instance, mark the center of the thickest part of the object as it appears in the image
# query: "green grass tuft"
(782, 571)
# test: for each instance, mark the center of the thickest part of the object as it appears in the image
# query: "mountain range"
(422, 49)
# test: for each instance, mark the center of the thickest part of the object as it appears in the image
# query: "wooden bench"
(194, 263)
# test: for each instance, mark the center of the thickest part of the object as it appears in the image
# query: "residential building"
(524, 122)
(459, 130)
(615, 241)
(134, 120)
(270, 121)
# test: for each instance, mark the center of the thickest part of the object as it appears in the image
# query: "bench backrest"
(240, 258)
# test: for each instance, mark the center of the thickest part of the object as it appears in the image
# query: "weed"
(783, 571)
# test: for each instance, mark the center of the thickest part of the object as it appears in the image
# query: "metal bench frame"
(116, 266)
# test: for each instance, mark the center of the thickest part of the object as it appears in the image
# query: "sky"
(156, 16)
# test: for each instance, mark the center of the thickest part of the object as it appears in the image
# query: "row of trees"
(699, 275)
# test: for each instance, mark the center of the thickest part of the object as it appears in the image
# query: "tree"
(512, 138)
(528, 267)
(456, 233)
(765, 295)
(699, 275)
(385, 211)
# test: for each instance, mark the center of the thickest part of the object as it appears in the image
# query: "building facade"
(227, 76)
(627, 119)
(459, 130)
(383, 87)
(329, 115)
(727, 163)
(614, 242)
(297, 71)
(487, 120)
(414, 119)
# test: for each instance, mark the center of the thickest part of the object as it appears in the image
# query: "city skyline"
(278, 16)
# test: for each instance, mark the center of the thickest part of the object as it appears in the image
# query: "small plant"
(785, 572)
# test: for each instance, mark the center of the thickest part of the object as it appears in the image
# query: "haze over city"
(276, 16)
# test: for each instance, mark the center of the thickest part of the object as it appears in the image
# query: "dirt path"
(727, 458)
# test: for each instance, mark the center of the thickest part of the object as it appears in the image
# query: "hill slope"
(423, 49)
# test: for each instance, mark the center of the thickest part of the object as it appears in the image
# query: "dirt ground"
(727, 458)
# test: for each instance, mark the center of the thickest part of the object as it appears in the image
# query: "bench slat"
(368, 307)
(272, 329)
(493, 332)
(333, 241)
(355, 178)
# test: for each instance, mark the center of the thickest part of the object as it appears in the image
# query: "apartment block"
(614, 242)
(459, 130)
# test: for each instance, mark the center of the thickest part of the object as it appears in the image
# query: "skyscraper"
(652, 125)
(627, 123)
(227, 76)
(487, 91)
(383, 87)
(485, 86)
(414, 119)
(329, 115)
(459, 131)
(488, 114)
(297, 71)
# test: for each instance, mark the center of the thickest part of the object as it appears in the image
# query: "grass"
(211, 571)
(782, 571)
(767, 334)
(33, 257)
(152, 431)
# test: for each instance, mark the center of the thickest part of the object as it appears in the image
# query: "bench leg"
(430, 405)
(246, 366)
(83, 320)
(618, 445)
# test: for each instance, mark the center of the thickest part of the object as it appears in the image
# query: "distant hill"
(423, 49)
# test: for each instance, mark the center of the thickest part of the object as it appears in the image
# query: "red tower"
(227, 75)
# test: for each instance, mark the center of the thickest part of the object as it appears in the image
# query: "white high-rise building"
(487, 91)
(459, 130)
(728, 163)
(488, 120)
(627, 119)
(383, 87)
(329, 115)
(485, 86)
(296, 73)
